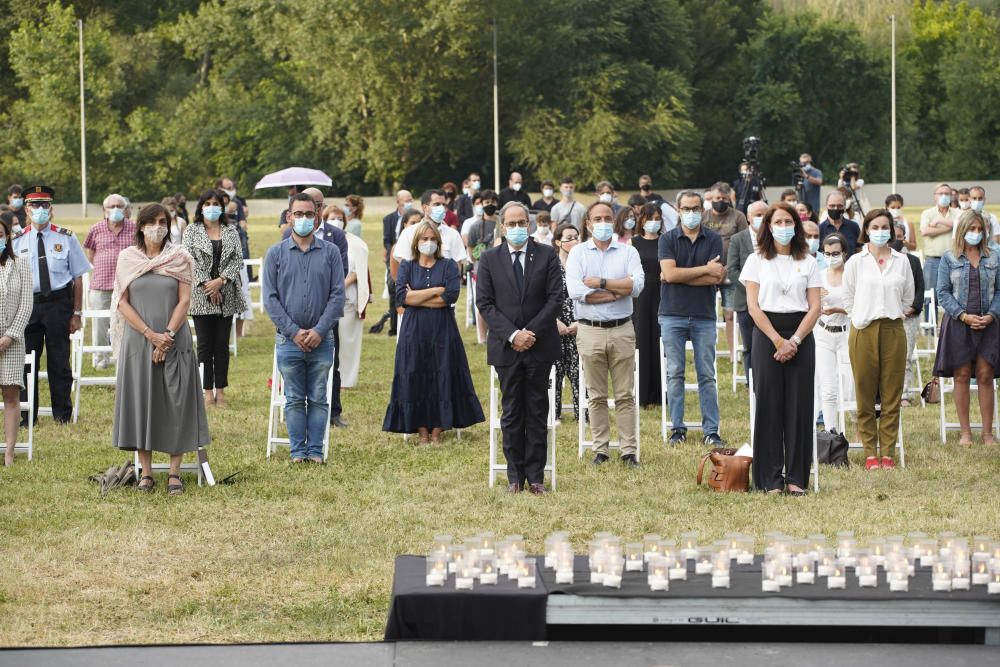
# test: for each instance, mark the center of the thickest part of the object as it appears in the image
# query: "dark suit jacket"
(506, 310)
(463, 208)
(389, 223)
(507, 195)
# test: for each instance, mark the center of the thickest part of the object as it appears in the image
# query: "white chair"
(75, 341)
(276, 412)
(497, 468)
(255, 284)
(27, 447)
(689, 388)
(79, 353)
(847, 402)
(738, 377)
(918, 376)
(720, 325)
(194, 467)
(585, 444)
(947, 386)
(814, 468)
(470, 301)
(928, 328)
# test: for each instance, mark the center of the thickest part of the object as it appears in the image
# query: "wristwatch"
(604, 283)
(171, 333)
(795, 339)
(78, 313)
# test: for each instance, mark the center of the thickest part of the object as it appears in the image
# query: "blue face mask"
(944, 200)
(652, 227)
(211, 213)
(16, 203)
(304, 226)
(755, 222)
(40, 216)
(630, 223)
(437, 212)
(116, 215)
(972, 238)
(813, 245)
(517, 236)
(603, 231)
(879, 237)
(977, 204)
(783, 235)
(691, 219)
(3, 245)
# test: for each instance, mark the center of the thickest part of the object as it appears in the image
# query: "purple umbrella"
(294, 176)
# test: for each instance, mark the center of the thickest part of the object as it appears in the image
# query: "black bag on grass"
(831, 448)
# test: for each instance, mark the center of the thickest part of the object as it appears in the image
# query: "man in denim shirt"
(303, 291)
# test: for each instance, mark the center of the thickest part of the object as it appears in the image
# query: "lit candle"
(768, 582)
(800, 550)
(703, 560)
(651, 546)
(981, 544)
(689, 545)
(657, 577)
(941, 576)
(961, 571)
(993, 586)
(866, 571)
(720, 567)
(526, 573)
(980, 569)
(464, 579)
(746, 549)
(945, 542)
(441, 544)
(805, 571)
(678, 568)
(817, 543)
(488, 570)
(487, 543)
(825, 562)
(634, 557)
(457, 553)
(838, 576)
(846, 548)
(437, 569)
(926, 551)
(613, 576)
(878, 549)
(783, 571)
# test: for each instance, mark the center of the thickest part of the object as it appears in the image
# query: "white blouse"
(872, 294)
(834, 299)
(783, 281)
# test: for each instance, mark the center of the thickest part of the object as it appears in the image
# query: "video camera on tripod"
(798, 180)
(750, 187)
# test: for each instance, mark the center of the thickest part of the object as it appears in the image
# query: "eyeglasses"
(299, 215)
(688, 209)
(645, 187)
(832, 254)
(570, 239)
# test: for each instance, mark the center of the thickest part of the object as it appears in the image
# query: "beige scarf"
(173, 261)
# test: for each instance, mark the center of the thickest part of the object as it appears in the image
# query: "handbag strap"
(701, 466)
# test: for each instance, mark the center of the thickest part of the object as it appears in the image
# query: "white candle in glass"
(980, 569)
(768, 580)
(634, 557)
(678, 568)
(846, 548)
(464, 578)
(657, 576)
(981, 544)
(746, 551)
(457, 553)
(825, 562)
(720, 567)
(526, 573)
(689, 545)
(838, 576)
(651, 546)
(437, 569)
(487, 543)
(941, 575)
(613, 576)
(805, 571)
(703, 560)
(488, 570)
(927, 550)
(993, 586)
(961, 569)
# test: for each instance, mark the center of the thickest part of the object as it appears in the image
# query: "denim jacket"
(953, 284)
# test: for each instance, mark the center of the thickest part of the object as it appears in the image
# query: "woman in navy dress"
(432, 388)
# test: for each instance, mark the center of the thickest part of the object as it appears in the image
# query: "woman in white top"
(783, 298)
(878, 289)
(831, 330)
(356, 297)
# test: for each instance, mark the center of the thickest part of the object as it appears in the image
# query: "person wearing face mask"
(837, 221)
(226, 185)
(432, 389)
(303, 293)
(217, 294)
(177, 224)
(181, 199)
(968, 289)
(15, 309)
(157, 406)
(543, 228)
(831, 329)
(625, 225)
(565, 238)
(463, 204)
(894, 204)
(104, 242)
(482, 236)
(606, 193)
(603, 276)
(354, 213)
(477, 215)
(977, 202)
(811, 230)
(568, 209)
(783, 296)
(691, 265)
(724, 219)
(514, 192)
(450, 217)
(646, 189)
(519, 294)
(741, 246)
(15, 200)
(433, 205)
(911, 316)
(647, 305)
(813, 181)
(878, 290)
(57, 266)
(936, 225)
(548, 199)
(805, 212)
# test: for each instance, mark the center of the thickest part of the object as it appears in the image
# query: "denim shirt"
(953, 284)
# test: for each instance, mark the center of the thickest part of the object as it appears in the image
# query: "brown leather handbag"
(729, 472)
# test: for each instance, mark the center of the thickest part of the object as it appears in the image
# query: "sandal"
(175, 489)
(147, 488)
(965, 440)
(989, 440)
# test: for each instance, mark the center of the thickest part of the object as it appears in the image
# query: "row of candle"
(480, 558)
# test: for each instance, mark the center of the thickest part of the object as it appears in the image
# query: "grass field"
(306, 553)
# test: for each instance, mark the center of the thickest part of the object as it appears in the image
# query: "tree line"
(380, 93)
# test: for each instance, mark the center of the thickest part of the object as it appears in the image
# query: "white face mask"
(895, 212)
(516, 187)
(427, 248)
(834, 262)
(547, 193)
(964, 205)
(231, 193)
(605, 197)
(155, 233)
(568, 193)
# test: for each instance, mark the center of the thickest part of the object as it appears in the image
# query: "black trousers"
(393, 315)
(213, 349)
(746, 335)
(783, 423)
(525, 405)
(48, 328)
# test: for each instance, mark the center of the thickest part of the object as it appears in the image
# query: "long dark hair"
(199, 217)
(147, 215)
(8, 252)
(767, 246)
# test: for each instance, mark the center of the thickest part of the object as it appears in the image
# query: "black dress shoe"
(338, 421)
(513, 487)
(392, 332)
(629, 461)
(599, 459)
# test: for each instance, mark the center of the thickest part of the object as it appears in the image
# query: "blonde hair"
(418, 233)
(964, 222)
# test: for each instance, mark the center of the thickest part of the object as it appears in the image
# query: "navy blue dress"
(431, 383)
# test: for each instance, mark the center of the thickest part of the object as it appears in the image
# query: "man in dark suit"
(390, 232)
(513, 191)
(519, 294)
(463, 205)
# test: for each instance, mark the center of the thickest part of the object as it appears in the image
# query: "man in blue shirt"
(303, 292)
(691, 266)
(813, 181)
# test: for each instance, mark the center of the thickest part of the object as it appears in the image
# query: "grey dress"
(158, 407)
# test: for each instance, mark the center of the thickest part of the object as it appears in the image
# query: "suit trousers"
(783, 422)
(878, 358)
(48, 328)
(524, 386)
(605, 351)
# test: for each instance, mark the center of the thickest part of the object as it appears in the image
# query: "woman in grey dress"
(158, 404)
(15, 309)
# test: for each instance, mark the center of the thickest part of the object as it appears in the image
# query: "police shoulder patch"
(61, 230)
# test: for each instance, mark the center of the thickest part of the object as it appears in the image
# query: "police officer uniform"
(57, 260)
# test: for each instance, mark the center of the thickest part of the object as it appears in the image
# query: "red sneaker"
(888, 463)
(871, 463)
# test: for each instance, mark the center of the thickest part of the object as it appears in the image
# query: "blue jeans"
(702, 333)
(307, 412)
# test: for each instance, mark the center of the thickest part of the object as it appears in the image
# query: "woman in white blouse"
(878, 288)
(831, 330)
(783, 298)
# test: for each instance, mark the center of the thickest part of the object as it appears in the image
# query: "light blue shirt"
(63, 255)
(619, 261)
(303, 290)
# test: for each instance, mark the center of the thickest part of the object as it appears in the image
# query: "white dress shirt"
(452, 246)
(870, 294)
(784, 281)
(620, 260)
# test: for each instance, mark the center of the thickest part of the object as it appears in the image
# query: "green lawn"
(306, 553)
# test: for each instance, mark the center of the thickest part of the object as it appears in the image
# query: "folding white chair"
(497, 468)
(276, 412)
(720, 325)
(814, 467)
(194, 467)
(585, 444)
(929, 327)
(470, 301)
(255, 284)
(27, 447)
(689, 388)
(918, 376)
(79, 353)
(847, 402)
(738, 377)
(75, 341)
(947, 386)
